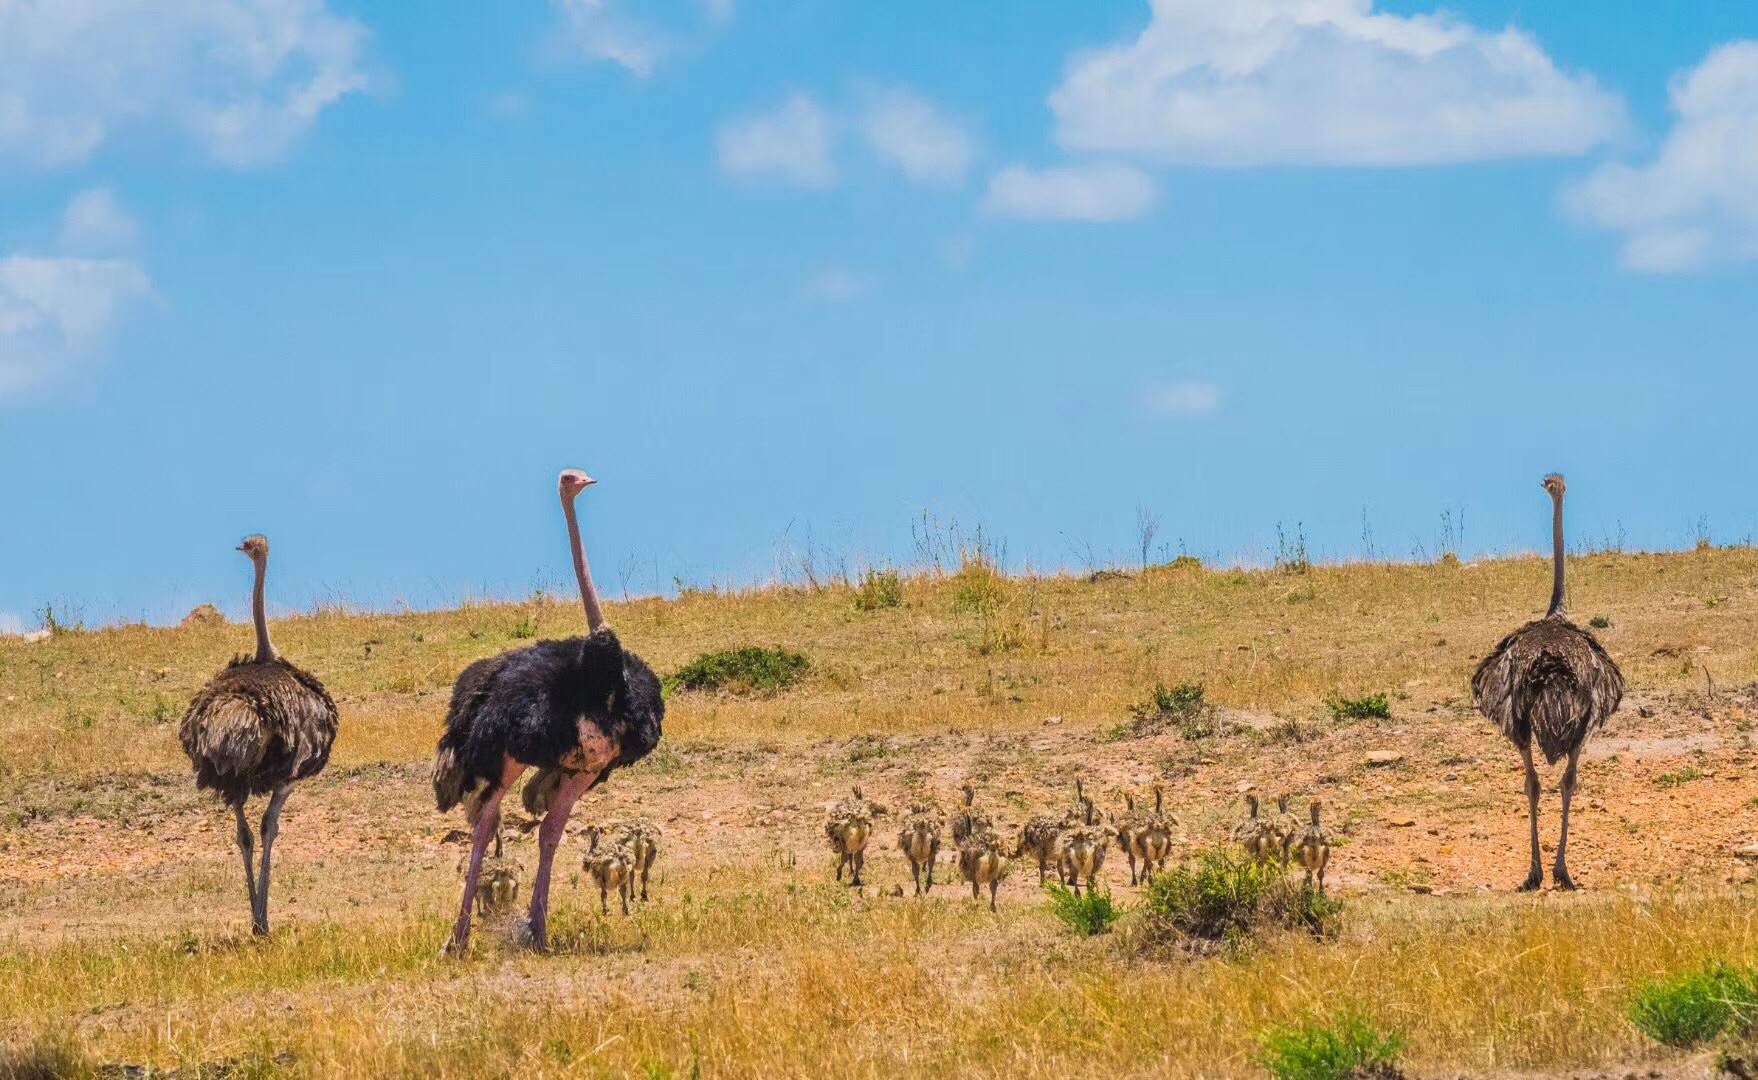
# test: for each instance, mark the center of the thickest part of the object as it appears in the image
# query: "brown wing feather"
(256, 726)
(1548, 681)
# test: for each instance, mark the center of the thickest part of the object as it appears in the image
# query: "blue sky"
(365, 275)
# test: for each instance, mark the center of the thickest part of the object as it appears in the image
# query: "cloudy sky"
(364, 275)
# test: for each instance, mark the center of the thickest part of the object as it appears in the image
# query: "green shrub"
(750, 670)
(526, 627)
(1089, 914)
(1688, 1010)
(1222, 896)
(1371, 707)
(981, 588)
(1599, 622)
(1346, 1047)
(1180, 706)
(1185, 562)
(879, 589)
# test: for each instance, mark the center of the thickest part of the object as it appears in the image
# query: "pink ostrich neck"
(1558, 601)
(588, 594)
(265, 649)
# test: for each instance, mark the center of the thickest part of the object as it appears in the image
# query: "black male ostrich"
(575, 709)
(261, 726)
(1552, 682)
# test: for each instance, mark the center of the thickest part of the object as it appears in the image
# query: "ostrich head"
(592, 833)
(1251, 802)
(572, 482)
(1554, 486)
(257, 547)
(970, 793)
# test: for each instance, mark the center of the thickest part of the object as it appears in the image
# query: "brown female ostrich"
(258, 728)
(574, 709)
(1549, 681)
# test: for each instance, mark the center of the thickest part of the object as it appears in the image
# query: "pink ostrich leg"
(487, 818)
(584, 764)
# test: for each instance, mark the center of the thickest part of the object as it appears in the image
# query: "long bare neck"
(265, 649)
(1559, 604)
(583, 572)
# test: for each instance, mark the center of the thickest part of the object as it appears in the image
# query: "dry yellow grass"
(120, 934)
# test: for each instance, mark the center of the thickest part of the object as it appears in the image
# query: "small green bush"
(1089, 914)
(1180, 706)
(750, 670)
(1185, 562)
(525, 628)
(981, 586)
(1371, 707)
(879, 589)
(1599, 622)
(1222, 896)
(1346, 1047)
(1689, 1010)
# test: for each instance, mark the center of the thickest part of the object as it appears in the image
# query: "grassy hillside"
(124, 931)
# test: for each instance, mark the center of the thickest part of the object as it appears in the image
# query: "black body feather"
(258, 725)
(527, 704)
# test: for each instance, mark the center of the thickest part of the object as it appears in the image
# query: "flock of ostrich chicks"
(1073, 843)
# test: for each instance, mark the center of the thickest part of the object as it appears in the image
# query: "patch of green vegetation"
(1690, 1009)
(526, 627)
(1181, 706)
(1370, 707)
(1225, 897)
(1599, 622)
(1680, 778)
(750, 670)
(879, 589)
(981, 588)
(1088, 914)
(1345, 1047)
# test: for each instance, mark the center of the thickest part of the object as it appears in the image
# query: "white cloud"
(600, 31)
(1179, 399)
(55, 311)
(837, 284)
(790, 143)
(242, 78)
(907, 132)
(1696, 204)
(93, 222)
(1101, 193)
(1325, 82)
(510, 105)
(633, 33)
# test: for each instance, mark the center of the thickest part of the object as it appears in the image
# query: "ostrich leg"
(271, 826)
(549, 837)
(1560, 872)
(247, 848)
(1535, 878)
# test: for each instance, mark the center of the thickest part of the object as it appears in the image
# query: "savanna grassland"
(124, 935)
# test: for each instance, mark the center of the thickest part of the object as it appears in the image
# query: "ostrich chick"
(919, 840)
(609, 868)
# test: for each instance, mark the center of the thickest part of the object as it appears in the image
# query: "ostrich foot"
(1563, 881)
(1534, 881)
